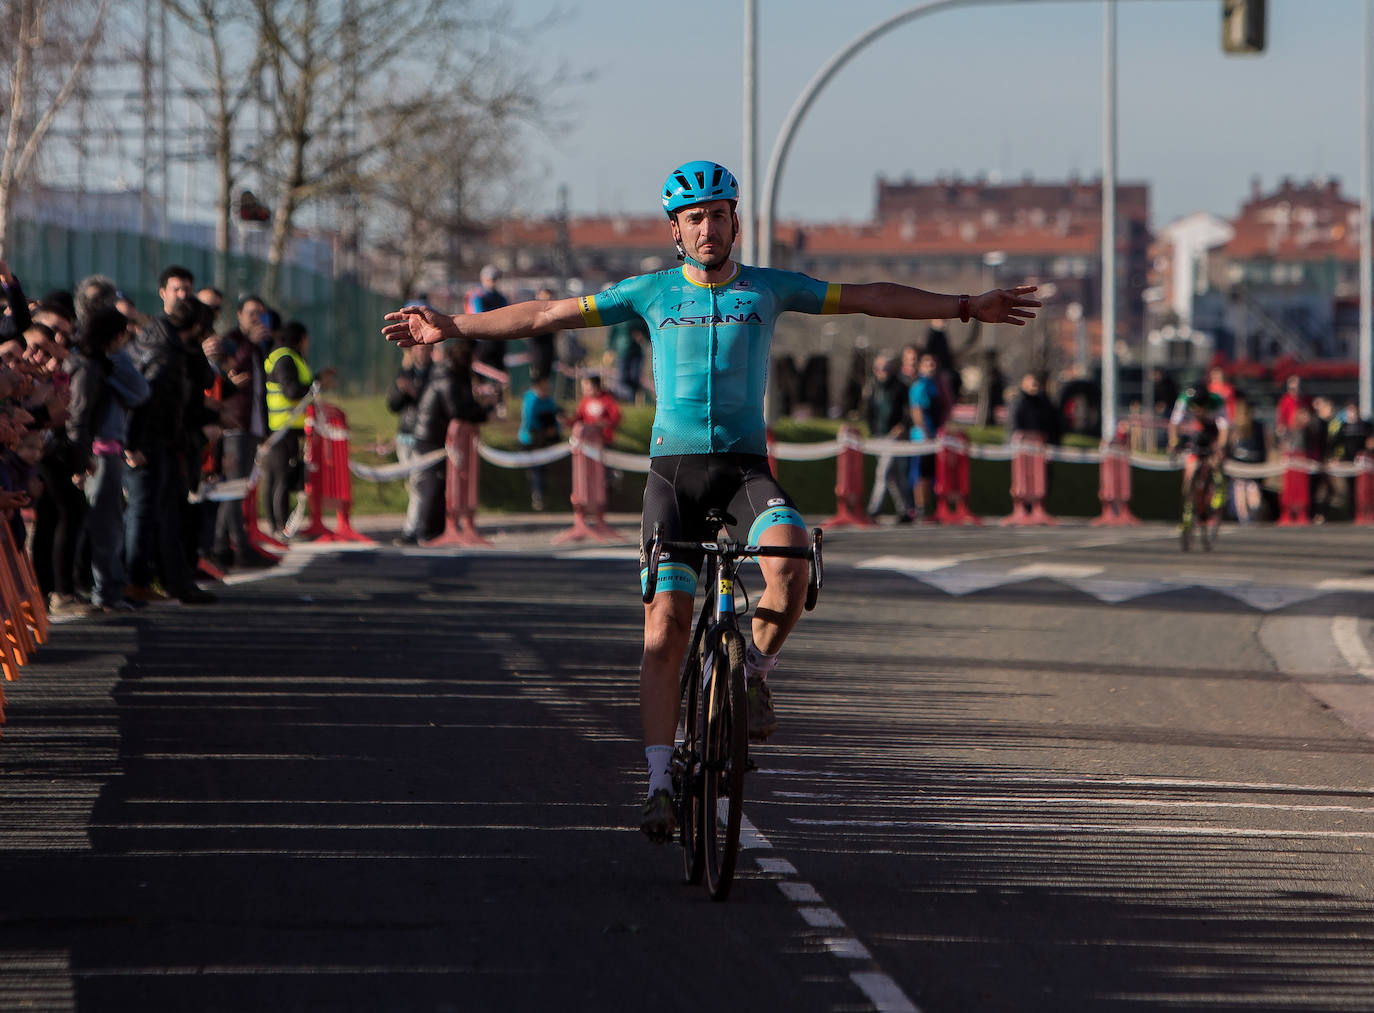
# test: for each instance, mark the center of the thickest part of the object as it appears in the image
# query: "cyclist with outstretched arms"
(711, 323)
(1197, 424)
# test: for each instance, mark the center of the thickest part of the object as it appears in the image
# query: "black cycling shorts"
(682, 487)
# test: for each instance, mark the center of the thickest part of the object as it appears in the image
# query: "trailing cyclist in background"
(710, 326)
(1198, 427)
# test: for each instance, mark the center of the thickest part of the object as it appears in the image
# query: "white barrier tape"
(616, 459)
(523, 458)
(622, 461)
(391, 472)
(807, 451)
(331, 432)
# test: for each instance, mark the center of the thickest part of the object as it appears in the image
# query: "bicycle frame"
(707, 771)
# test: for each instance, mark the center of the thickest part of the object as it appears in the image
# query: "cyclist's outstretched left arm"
(886, 299)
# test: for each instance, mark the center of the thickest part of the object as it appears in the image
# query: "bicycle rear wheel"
(725, 755)
(688, 767)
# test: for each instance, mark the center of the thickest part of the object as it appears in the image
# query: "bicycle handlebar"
(737, 550)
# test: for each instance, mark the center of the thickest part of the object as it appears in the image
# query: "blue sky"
(1004, 88)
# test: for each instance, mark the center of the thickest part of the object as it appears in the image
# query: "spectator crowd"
(467, 382)
(116, 426)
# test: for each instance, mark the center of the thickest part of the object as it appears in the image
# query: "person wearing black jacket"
(447, 396)
(105, 384)
(403, 399)
(169, 355)
(885, 411)
(1033, 412)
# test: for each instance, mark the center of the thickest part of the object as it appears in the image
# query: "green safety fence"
(343, 316)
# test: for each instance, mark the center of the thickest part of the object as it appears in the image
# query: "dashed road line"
(879, 987)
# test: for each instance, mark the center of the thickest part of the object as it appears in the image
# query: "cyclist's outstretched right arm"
(423, 325)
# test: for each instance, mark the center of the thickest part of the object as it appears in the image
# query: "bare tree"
(352, 90)
(51, 47)
(225, 69)
(455, 173)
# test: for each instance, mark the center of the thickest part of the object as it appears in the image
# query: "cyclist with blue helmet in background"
(711, 324)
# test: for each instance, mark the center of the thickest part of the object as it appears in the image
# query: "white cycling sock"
(758, 664)
(658, 758)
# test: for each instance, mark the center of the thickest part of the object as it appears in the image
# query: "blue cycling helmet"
(696, 183)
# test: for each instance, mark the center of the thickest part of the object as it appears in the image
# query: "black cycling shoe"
(658, 819)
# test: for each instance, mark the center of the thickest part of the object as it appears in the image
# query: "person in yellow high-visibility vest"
(288, 381)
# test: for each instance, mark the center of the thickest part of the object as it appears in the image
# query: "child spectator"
(598, 410)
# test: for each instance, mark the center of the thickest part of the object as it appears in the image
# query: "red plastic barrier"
(1114, 483)
(1028, 482)
(850, 495)
(1363, 506)
(588, 491)
(328, 482)
(256, 538)
(461, 479)
(951, 479)
(1295, 498)
(23, 614)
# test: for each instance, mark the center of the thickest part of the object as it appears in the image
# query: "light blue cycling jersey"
(710, 349)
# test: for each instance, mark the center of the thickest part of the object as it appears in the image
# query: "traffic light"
(1242, 26)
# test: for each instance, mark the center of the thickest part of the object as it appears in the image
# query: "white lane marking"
(1347, 584)
(1266, 597)
(749, 836)
(1056, 570)
(909, 564)
(799, 893)
(950, 575)
(884, 993)
(777, 866)
(1345, 630)
(847, 947)
(820, 917)
(966, 581)
(1115, 590)
(599, 553)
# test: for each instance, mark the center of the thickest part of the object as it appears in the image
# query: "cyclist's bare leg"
(667, 629)
(1190, 465)
(784, 594)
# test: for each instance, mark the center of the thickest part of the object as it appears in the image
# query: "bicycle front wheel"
(690, 769)
(725, 755)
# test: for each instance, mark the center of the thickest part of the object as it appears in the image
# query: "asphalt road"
(1052, 769)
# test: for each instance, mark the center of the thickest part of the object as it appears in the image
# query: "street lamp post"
(1109, 220)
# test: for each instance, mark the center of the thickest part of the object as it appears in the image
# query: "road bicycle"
(1201, 511)
(710, 761)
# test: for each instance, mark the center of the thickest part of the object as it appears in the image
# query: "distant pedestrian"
(1247, 443)
(485, 297)
(538, 429)
(403, 399)
(886, 413)
(928, 411)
